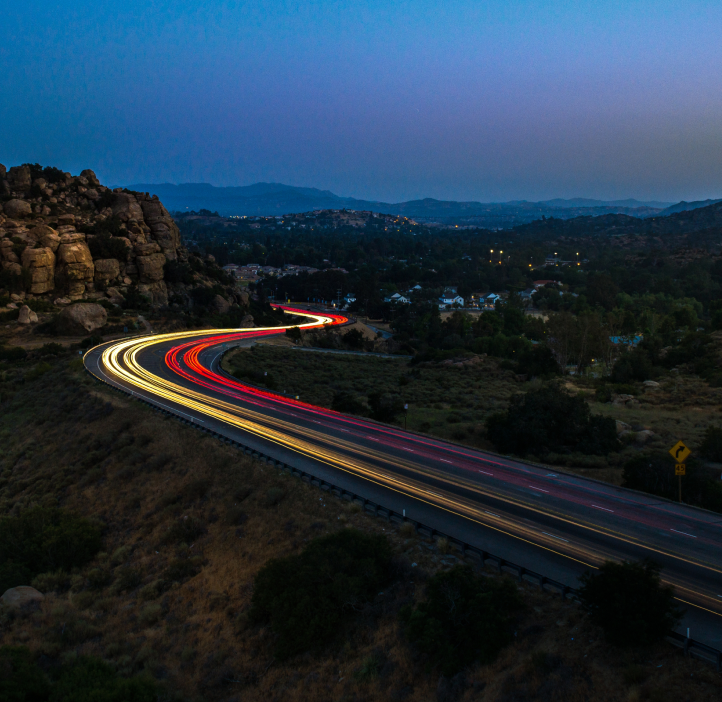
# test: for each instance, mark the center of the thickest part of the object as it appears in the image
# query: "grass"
(452, 400)
(177, 610)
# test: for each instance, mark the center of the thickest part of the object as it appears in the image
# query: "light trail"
(258, 415)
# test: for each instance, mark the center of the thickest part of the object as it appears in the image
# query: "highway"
(554, 523)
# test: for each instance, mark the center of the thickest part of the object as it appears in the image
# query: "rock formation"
(48, 228)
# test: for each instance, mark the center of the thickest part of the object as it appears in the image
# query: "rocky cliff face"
(66, 238)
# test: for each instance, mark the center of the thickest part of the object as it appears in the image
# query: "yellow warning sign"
(680, 469)
(679, 452)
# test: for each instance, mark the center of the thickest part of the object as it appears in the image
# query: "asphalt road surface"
(554, 523)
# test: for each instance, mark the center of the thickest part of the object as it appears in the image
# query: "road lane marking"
(536, 488)
(408, 449)
(485, 472)
(685, 533)
(555, 537)
(492, 514)
(445, 461)
(604, 508)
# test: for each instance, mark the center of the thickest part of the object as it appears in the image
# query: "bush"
(653, 472)
(711, 447)
(20, 679)
(106, 246)
(294, 333)
(90, 679)
(629, 602)
(550, 420)
(41, 540)
(384, 407)
(465, 618)
(308, 598)
(348, 403)
(539, 361)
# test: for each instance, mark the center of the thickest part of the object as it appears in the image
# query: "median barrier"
(692, 648)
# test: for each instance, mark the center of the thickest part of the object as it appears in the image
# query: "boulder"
(90, 177)
(150, 268)
(650, 384)
(643, 437)
(115, 296)
(82, 318)
(3, 171)
(65, 219)
(126, 207)
(19, 178)
(60, 301)
(74, 265)
(243, 297)
(247, 322)
(46, 236)
(21, 596)
(41, 263)
(221, 305)
(157, 292)
(621, 426)
(17, 208)
(106, 269)
(27, 316)
(142, 249)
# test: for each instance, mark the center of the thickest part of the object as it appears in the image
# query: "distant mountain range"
(268, 199)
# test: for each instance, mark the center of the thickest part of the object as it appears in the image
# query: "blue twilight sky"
(393, 99)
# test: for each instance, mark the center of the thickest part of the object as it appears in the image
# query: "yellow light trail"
(121, 360)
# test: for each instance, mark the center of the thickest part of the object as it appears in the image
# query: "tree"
(385, 407)
(629, 602)
(464, 618)
(550, 420)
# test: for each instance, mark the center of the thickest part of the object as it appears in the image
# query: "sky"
(487, 100)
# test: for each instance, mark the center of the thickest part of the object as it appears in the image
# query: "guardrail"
(691, 647)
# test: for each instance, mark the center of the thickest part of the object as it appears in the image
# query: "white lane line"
(536, 488)
(492, 514)
(445, 461)
(408, 449)
(604, 508)
(684, 532)
(555, 537)
(372, 438)
(551, 475)
(485, 472)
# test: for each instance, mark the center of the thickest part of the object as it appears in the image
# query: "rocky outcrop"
(61, 236)
(81, 318)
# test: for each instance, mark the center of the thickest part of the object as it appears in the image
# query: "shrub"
(293, 333)
(307, 597)
(184, 530)
(550, 420)
(629, 602)
(538, 361)
(12, 353)
(90, 679)
(347, 402)
(20, 678)
(384, 407)
(464, 618)
(273, 496)
(653, 472)
(106, 246)
(711, 447)
(46, 539)
(150, 614)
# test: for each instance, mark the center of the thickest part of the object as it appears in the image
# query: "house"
(417, 288)
(526, 295)
(449, 300)
(541, 283)
(490, 301)
(397, 299)
(350, 298)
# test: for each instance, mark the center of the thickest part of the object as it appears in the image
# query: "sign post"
(680, 452)
(406, 412)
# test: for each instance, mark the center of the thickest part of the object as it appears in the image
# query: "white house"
(490, 301)
(350, 298)
(449, 300)
(397, 298)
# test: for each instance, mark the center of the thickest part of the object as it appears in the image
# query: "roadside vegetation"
(185, 553)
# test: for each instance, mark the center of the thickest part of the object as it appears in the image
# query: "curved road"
(554, 523)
